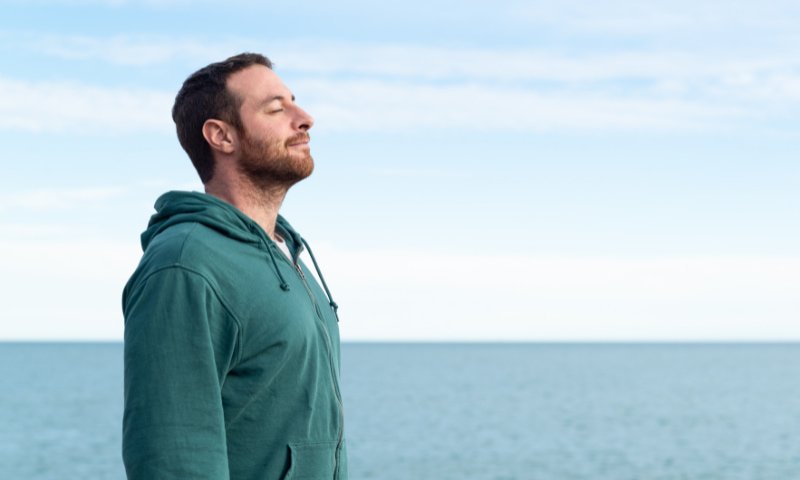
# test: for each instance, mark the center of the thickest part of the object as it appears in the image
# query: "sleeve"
(179, 343)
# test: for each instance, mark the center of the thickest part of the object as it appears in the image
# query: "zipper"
(329, 344)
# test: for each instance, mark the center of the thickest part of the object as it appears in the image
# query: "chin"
(307, 165)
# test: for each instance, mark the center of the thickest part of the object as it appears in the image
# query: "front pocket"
(311, 461)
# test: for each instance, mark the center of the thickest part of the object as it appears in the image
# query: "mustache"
(300, 137)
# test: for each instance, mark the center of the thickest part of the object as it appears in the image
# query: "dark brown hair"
(203, 96)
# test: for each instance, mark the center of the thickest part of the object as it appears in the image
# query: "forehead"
(255, 84)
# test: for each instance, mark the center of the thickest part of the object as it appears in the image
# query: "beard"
(267, 162)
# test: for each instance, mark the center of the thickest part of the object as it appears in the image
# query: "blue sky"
(485, 171)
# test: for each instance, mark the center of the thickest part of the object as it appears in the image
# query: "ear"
(220, 136)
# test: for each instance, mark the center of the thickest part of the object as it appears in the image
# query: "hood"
(179, 207)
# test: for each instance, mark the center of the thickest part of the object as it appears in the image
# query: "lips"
(299, 139)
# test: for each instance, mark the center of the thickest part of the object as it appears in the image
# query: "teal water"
(465, 411)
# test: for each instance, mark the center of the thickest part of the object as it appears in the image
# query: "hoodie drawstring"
(284, 285)
(333, 304)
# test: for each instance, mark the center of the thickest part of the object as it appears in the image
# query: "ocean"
(515, 411)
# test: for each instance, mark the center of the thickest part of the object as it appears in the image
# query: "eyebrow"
(275, 97)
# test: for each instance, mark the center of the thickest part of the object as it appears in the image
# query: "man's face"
(274, 137)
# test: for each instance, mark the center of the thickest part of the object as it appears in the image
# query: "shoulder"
(190, 244)
(188, 247)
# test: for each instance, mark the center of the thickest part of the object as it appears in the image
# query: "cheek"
(267, 126)
(260, 125)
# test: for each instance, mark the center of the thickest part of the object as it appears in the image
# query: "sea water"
(464, 411)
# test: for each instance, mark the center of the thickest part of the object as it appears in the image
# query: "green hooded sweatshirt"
(231, 352)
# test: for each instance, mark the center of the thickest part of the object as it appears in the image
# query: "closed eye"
(274, 101)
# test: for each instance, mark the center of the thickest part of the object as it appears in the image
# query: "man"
(231, 346)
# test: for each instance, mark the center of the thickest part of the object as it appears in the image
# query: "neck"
(259, 202)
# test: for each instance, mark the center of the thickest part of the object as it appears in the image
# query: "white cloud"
(57, 198)
(672, 17)
(658, 74)
(110, 3)
(576, 277)
(710, 78)
(422, 295)
(371, 105)
(376, 106)
(417, 173)
(424, 62)
(62, 287)
(393, 86)
(28, 231)
(563, 70)
(361, 106)
(56, 107)
(129, 50)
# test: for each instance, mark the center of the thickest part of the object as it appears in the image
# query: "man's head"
(239, 109)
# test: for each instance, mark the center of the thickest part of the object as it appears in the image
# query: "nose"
(303, 121)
